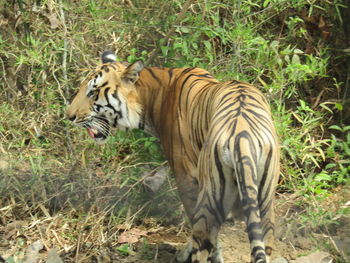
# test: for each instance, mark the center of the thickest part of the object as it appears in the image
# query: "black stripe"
(256, 249)
(222, 182)
(105, 68)
(98, 106)
(170, 73)
(153, 75)
(106, 94)
(264, 176)
(253, 226)
(104, 84)
(205, 75)
(254, 236)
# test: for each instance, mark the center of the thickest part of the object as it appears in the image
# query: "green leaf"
(330, 166)
(298, 51)
(338, 106)
(274, 45)
(207, 45)
(124, 249)
(185, 29)
(346, 128)
(323, 177)
(287, 59)
(266, 3)
(326, 108)
(296, 59)
(335, 127)
(164, 50)
(10, 260)
(346, 149)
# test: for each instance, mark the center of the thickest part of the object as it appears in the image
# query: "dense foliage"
(296, 51)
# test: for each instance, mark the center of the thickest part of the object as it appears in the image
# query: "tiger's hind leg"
(254, 228)
(267, 209)
(268, 228)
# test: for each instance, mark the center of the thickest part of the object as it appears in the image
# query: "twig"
(59, 88)
(130, 4)
(65, 77)
(179, 18)
(318, 98)
(65, 45)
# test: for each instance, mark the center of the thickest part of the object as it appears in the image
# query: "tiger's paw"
(184, 255)
(217, 257)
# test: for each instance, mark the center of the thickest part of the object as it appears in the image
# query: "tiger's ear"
(131, 73)
(108, 56)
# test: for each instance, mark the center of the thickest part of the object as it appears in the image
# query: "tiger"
(218, 137)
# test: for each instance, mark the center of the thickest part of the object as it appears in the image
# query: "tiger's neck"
(172, 99)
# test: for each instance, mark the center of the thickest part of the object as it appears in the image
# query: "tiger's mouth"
(96, 134)
(98, 129)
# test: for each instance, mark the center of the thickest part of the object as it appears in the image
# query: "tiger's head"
(108, 98)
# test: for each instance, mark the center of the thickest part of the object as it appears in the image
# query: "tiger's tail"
(245, 162)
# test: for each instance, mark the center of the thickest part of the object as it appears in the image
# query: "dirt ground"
(235, 247)
(292, 240)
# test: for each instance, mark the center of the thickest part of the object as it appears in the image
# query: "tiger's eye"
(91, 93)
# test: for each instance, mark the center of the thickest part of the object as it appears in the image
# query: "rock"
(302, 242)
(53, 257)
(32, 252)
(317, 257)
(343, 244)
(154, 182)
(280, 260)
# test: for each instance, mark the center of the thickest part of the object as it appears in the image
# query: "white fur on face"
(116, 111)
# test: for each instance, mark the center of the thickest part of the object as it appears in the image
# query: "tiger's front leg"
(187, 185)
(188, 190)
(185, 255)
(206, 248)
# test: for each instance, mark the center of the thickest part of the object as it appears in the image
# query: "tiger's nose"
(72, 117)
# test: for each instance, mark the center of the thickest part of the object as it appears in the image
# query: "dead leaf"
(32, 252)
(131, 236)
(347, 204)
(323, 28)
(316, 257)
(104, 258)
(54, 22)
(18, 224)
(12, 228)
(321, 22)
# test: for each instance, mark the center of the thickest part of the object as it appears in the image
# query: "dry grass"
(80, 212)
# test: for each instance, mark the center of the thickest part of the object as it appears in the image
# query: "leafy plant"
(125, 249)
